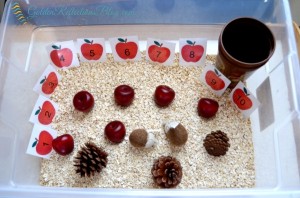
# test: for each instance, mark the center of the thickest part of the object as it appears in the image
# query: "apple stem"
(92, 42)
(126, 40)
(194, 43)
(246, 92)
(44, 79)
(157, 43)
(56, 47)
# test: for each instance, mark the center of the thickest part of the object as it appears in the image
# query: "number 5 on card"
(91, 49)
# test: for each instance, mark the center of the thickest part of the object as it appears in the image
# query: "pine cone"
(90, 159)
(167, 172)
(216, 143)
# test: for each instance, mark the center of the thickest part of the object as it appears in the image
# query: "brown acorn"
(167, 172)
(90, 159)
(176, 133)
(216, 143)
(141, 138)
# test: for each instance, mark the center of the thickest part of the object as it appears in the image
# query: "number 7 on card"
(160, 51)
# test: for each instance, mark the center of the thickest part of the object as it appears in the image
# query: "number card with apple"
(91, 49)
(44, 111)
(192, 51)
(160, 51)
(214, 80)
(125, 48)
(243, 99)
(40, 143)
(63, 54)
(48, 81)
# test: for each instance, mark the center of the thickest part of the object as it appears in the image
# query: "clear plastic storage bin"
(26, 31)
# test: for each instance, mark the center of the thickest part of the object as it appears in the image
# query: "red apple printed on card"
(158, 53)
(192, 52)
(49, 83)
(43, 143)
(126, 49)
(90, 50)
(46, 113)
(61, 57)
(213, 80)
(241, 99)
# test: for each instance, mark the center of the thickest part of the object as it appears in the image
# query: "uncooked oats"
(130, 167)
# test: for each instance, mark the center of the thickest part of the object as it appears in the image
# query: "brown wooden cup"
(245, 44)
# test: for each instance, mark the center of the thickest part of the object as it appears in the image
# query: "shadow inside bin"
(265, 110)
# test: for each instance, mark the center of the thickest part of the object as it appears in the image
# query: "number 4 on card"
(63, 54)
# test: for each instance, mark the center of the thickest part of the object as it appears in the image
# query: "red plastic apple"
(124, 95)
(46, 113)
(241, 99)
(214, 81)
(207, 107)
(61, 57)
(49, 83)
(192, 52)
(115, 131)
(90, 50)
(163, 95)
(157, 53)
(83, 101)
(126, 50)
(63, 144)
(43, 145)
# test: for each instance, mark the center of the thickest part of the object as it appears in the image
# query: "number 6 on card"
(125, 48)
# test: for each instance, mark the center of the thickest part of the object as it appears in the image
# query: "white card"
(160, 51)
(192, 51)
(243, 99)
(63, 54)
(125, 48)
(214, 80)
(40, 143)
(48, 81)
(44, 111)
(91, 49)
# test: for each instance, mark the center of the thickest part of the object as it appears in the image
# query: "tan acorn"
(176, 133)
(141, 138)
